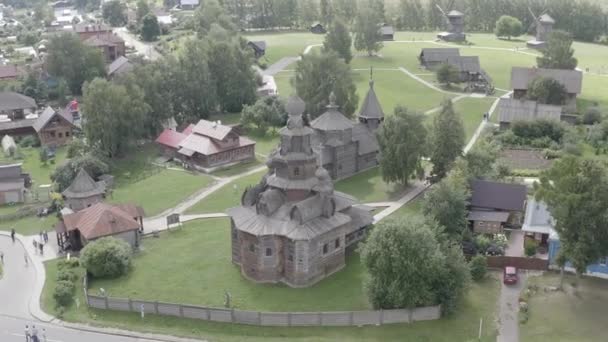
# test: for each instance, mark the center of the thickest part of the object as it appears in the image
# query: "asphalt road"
(17, 283)
(13, 330)
(145, 49)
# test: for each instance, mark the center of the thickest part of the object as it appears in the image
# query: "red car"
(510, 275)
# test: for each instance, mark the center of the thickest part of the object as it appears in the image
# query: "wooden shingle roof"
(571, 79)
(511, 110)
(84, 186)
(103, 219)
(371, 109)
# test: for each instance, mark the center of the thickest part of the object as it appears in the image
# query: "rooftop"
(438, 54)
(498, 196)
(571, 79)
(84, 186)
(103, 219)
(511, 110)
(10, 100)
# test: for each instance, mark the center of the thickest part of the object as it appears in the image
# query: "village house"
(511, 110)
(207, 146)
(346, 147)
(496, 205)
(17, 114)
(258, 48)
(122, 221)
(188, 5)
(13, 184)
(433, 58)
(88, 30)
(54, 128)
(9, 72)
(83, 192)
(540, 226)
(387, 32)
(268, 87)
(572, 80)
(119, 66)
(110, 44)
(318, 28)
(292, 227)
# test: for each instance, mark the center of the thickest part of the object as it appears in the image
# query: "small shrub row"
(67, 277)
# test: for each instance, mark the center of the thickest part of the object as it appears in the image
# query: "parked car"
(510, 275)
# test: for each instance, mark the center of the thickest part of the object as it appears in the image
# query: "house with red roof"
(206, 146)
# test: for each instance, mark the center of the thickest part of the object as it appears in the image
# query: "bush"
(64, 291)
(106, 258)
(67, 274)
(479, 267)
(76, 148)
(30, 141)
(68, 264)
(530, 247)
(573, 149)
(592, 116)
(482, 243)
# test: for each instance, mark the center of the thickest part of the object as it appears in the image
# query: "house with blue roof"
(540, 224)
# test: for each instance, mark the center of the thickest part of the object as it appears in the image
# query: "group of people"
(39, 245)
(31, 334)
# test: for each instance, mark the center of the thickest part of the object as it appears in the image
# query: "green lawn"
(161, 191)
(226, 197)
(471, 111)
(135, 165)
(41, 174)
(576, 314)
(264, 144)
(202, 279)
(30, 225)
(239, 168)
(412, 208)
(285, 44)
(368, 186)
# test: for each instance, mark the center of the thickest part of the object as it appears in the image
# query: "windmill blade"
(534, 16)
(451, 6)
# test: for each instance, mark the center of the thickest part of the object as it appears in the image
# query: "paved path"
(483, 124)
(145, 49)
(426, 83)
(508, 330)
(279, 65)
(515, 247)
(416, 189)
(158, 222)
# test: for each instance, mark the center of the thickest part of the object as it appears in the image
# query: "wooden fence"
(338, 318)
(519, 262)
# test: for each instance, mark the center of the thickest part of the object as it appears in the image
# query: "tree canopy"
(107, 257)
(447, 203)
(402, 140)
(338, 40)
(447, 74)
(70, 59)
(547, 90)
(317, 76)
(558, 52)
(508, 26)
(367, 32)
(114, 115)
(114, 12)
(447, 139)
(150, 29)
(266, 112)
(65, 173)
(409, 267)
(576, 193)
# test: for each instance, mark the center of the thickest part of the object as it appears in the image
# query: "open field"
(576, 314)
(161, 191)
(200, 270)
(368, 186)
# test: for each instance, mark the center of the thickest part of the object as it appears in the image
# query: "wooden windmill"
(544, 26)
(455, 22)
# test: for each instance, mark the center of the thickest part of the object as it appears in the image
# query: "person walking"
(25, 257)
(27, 333)
(45, 235)
(34, 336)
(43, 335)
(35, 243)
(2, 257)
(41, 248)
(13, 235)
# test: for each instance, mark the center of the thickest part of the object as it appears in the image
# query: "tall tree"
(508, 26)
(70, 59)
(308, 12)
(377, 8)
(113, 115)
(447, 139)
(114, 12)
(208, 13)
(267, 112)
(367, 32)
(143, 9)
(345, 9)
(576, 193)
(558, 53)
(327, 12)
(150, 29)
(411, 15)
(447, 202)
(338, 39)
(402, 141)
(317, 76)
(408, 267)
(547, 91)
(448, 74)
(234, 78)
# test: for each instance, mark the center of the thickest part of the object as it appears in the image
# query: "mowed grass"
(368, 186)
(202, 270)
(161, 191)
(480, 302)
(41, 174)
(227, 196)
(30, 225)
(576, 314)
(285, 44)
(471, 112)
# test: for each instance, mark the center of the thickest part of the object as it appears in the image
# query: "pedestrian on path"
(27, 333)
(34, 336)
(35, 246)
(41, 248)
(13, 235)
(2, 257)
(43, 335)
(45, 235)
(25, 257)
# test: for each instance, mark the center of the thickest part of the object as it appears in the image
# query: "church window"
(290, 257)
(296, 171)
(67, 134)
(337, 243)
(251, 247)
(325, 248)
(60, 135)
(268, 251)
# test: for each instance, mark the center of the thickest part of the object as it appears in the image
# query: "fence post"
(289, 319)
(232, 315)
(259, 318)
(208, 314)
(381, 316)
(319, 318)
(130, 305)
(181, 310)
(156, 308)
(410, 315)
(351, 319)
